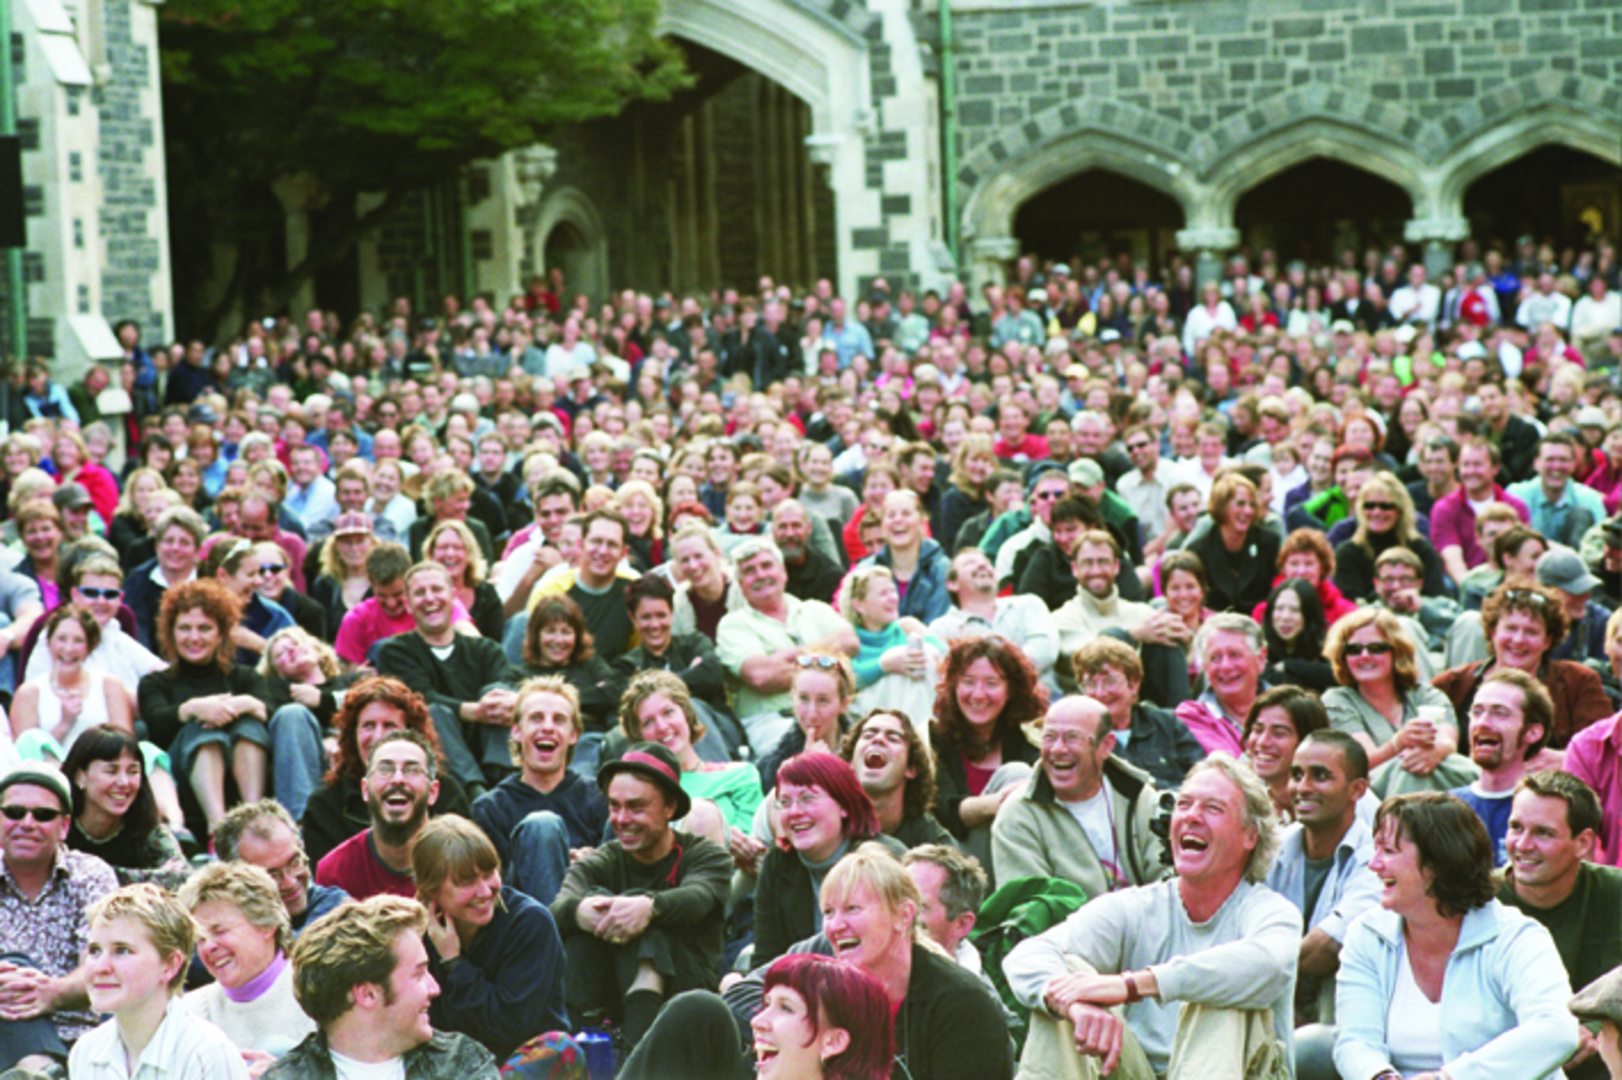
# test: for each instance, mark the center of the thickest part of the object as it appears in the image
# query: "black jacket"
(786, 900)
(952, 781)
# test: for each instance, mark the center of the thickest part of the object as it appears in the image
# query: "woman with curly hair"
(1407, 726)
(556, 642)
(987, 693)
(1523, 624)
(372, 708)
(207, 712)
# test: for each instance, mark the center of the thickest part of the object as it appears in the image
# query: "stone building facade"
(1198, 101)
(90, 116)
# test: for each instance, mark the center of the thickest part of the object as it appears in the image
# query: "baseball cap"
(1563, 569)
(71, 495)
(352, 524)
(40, 776)
(1086, 472)
(1592, 416)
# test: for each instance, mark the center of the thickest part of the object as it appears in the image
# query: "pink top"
(366, 624)
(1594, 756)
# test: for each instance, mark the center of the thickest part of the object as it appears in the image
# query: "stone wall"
(134, 216)
(1204, 100)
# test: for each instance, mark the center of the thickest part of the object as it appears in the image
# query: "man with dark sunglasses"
(45, 892)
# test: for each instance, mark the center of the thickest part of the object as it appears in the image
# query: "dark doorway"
(1554, 194)
(1099, 214)
(1319, 208)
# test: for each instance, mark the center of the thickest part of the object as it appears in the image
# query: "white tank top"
(93, 713)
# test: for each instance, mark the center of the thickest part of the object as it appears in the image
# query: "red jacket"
(1336, 606)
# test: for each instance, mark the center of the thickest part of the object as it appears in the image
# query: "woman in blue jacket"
(495, 952)
(1443, 979)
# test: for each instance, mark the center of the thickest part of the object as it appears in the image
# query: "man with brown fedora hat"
(642, 916)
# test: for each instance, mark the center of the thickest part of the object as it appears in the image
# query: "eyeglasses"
(1112, 681)
(410, 770)
(1389, 508)
(1133, 448)
(1373, 648)
(1070, 740)
(42, 814)
(817, 660)
(100, 594)
(271, 568)
(804, 802)
(291, 869)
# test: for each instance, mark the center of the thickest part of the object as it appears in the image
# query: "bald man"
(1085, 814)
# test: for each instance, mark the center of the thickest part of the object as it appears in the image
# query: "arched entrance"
(1320, 207)
(1099, 214)
(569, 233)
(1554, 193)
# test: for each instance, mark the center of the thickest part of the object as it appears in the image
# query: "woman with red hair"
(822, 815)
(1306, 554)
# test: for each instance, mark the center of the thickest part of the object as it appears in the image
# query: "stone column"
(1209, 247)
(1438, 234)
(989, 257)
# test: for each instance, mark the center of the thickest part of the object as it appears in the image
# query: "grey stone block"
(1241, 48)
(1379, 40)
(1438, 62)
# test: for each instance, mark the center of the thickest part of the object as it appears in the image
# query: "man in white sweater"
(1205, 960)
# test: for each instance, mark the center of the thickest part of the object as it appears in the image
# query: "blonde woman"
(1385, 519)
(243, 938)
(972, 465)
(640, 505)
(128, 526)
(140, 940)
(452, 544)
(304, 687)
(898, 664)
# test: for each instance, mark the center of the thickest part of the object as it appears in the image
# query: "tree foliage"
(385, 96)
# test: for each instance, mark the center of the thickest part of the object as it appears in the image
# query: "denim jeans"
(297, 757)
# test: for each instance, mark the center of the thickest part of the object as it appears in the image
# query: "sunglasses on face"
(272, 568)
(1373, 648)
(1389, 508)
(100, 594)
(42, 814)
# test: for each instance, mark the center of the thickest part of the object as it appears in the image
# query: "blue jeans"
(297, 757)
(540, 856)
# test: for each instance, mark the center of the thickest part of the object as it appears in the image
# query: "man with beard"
(811, 574)
(402, 780)
(1084, 815)
(546, 813)
(1553, 825)
(1509, 724)
(896, 769)
(642, 915)
(1159, 635)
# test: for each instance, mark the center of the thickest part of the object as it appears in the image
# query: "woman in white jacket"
(1443, 979)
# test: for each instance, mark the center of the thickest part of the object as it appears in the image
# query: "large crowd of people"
(1092, 676)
